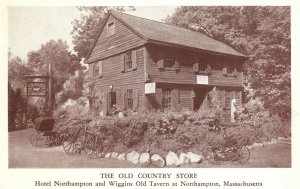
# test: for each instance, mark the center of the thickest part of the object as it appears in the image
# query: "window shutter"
(160, 61)
(225, 70)
(208, 68)
(124, 99)
(177, 64)
(100, 68)
(223, 99)
(158, 97)
(175, 99)
(123, 63)
(196, 67)
(134, 60)
(105, 103)
(160, 64)
(234, 71)
(135, 98)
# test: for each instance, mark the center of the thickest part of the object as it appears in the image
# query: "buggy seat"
(44, 125)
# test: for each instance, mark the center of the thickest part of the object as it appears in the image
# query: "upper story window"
(128, 60)
(230, 70)
(169, 60)
(110, 29)
(202, 67)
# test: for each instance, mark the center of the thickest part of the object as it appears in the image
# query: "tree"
(72, 88)
(267, 43)
(17, 69)
(56, 53)
(86, 29)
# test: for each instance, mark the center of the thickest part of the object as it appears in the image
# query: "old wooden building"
(137, 62)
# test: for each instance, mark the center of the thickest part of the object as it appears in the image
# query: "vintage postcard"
(147, 95)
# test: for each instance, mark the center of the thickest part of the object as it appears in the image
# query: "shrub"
(256, 124)
(160, 132)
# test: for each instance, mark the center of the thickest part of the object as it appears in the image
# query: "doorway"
(112, 99)
(200, 98)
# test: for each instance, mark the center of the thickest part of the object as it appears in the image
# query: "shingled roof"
(154, 31)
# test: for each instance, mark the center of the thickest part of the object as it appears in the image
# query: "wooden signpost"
(41, 86)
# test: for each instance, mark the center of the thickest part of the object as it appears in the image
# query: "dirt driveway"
(23, 155)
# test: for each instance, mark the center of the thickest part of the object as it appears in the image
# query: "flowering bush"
(142, 130)
(179, 131)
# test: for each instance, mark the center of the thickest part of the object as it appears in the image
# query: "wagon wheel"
(37, 140)
(244, 154)
(89, 144)
(33, 140)
(56, 140)
(71, 145)
(235, 154)
(93, 148)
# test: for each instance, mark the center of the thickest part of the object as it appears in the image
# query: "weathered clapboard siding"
(216, 76)
(122, 81)
(153, 101)
(123, 39)
(186, 99)
(233, 93)
(186, 75)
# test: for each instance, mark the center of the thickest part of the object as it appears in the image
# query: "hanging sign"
(150, 88)
(202, 79)
(36, 88)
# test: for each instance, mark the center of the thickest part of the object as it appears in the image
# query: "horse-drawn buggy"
(44, 134)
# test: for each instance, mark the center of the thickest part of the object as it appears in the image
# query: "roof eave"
(98, 35)
(111, 13)
(151, 41)
(128, 26)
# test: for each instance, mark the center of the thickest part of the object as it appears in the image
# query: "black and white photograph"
(169, 87)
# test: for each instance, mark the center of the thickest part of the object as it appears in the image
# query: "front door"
(112, 99)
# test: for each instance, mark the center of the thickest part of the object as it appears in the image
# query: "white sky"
(29, 27)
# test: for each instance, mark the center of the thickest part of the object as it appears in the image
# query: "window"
(129, 98)
(110, 29)
(166, 101)
(202, 67)
(128, 60)
(230, 70)
(169, 60)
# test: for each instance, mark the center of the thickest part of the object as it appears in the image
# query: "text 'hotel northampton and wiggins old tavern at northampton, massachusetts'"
(140, 63)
